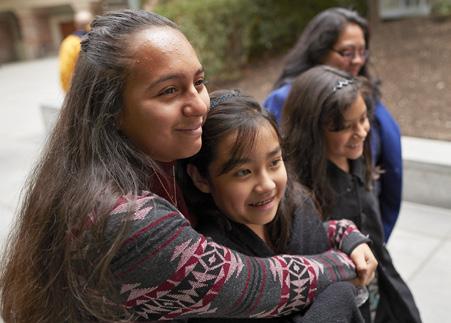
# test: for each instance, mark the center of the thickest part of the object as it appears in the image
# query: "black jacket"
(354, 202)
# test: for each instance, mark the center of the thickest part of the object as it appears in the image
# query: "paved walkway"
(420, 245)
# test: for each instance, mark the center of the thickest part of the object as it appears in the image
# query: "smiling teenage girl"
(326, 126)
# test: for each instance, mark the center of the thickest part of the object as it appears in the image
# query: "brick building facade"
(34, 28)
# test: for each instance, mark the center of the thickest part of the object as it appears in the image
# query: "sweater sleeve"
(344, 235)
(165, 269)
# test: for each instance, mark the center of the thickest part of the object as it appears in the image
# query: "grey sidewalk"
(420, 245)
(421, 248)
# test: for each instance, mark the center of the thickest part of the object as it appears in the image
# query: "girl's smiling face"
(165, 98)
(250, 192)
(348, 142)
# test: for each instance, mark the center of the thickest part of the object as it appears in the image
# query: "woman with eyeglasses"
(339, 38)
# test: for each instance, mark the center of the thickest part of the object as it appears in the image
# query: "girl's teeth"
(261, 203)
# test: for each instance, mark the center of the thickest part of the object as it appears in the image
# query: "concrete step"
(427, 171)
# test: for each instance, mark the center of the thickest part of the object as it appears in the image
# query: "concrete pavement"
(420, 245)
(23, 87)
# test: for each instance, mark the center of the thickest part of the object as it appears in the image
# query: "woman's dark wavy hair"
(54, 269)
(311, 106)
(234, 112)
(316, 41)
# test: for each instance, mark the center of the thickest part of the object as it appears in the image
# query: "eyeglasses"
(350, 54)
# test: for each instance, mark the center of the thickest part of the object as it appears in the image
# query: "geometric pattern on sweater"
(207, 279)
(337, 230)
(344, 235)
(200, 277)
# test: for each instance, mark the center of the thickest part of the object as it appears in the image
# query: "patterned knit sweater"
(165, 269)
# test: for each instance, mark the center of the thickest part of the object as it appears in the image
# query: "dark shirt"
(354, 202)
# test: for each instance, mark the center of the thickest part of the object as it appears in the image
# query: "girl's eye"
(201, 82)
(276, 162)
(168, 91)
(242, 172)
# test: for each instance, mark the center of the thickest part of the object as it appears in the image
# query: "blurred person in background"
(70, 48)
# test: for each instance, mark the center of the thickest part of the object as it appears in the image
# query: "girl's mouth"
(262, 203)
(356, 145)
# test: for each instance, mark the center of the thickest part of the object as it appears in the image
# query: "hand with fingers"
(365, 264)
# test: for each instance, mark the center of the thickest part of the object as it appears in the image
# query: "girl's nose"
(362, 130)
(358, 60)
(265, 183)
(198, 103)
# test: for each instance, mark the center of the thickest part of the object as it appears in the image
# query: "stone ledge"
(427, 171)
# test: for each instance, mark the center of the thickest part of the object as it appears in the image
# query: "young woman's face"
(165, 98)
(349, 52)
(348, 142)
(250, 192)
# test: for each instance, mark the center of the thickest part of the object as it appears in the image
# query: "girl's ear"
(198, 180)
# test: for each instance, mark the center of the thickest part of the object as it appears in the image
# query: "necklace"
(173, 198)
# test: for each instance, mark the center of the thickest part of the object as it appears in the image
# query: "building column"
(373, 12)
(35, 32)
(7, 38)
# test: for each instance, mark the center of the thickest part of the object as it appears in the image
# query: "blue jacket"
(386, 151)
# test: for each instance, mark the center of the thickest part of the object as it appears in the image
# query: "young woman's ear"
(198, 180)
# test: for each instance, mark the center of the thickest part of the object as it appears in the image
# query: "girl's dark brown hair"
(313, 104)
(234, 112)
(56, 266)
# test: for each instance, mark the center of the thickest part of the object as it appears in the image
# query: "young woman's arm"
(165, 269)
(344, 235)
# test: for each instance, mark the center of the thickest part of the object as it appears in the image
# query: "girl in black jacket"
(326, 128)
